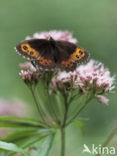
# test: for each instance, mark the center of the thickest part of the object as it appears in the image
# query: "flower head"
(90, 77)
(102, 99)
(62, 79)
(94, 76)
(27, 66)
(56, 35)
(29, 77)
(29, 74)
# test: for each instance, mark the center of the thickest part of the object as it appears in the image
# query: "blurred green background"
(93, 23)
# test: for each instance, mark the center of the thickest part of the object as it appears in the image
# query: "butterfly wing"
(69, 55)
(29, 49)
(37, 50)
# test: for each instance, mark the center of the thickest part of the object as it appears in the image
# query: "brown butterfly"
(51, 53)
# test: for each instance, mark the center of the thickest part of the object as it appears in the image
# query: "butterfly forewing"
(30, 49)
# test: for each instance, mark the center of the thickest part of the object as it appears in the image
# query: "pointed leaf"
(18, 122)
(12, 147)
(27, 137)
(46, 146)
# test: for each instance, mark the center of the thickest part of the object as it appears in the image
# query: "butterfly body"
(49, 54)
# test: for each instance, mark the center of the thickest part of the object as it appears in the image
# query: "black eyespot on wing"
(31, 53)
(80, 55)
(25, 47)
(77, 56)
(80, 52)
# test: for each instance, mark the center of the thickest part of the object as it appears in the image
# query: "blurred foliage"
(93, 22)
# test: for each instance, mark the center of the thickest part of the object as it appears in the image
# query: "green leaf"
(12, 147)
(18, 122)
(47, 102)
(60, 104)
(75, 106)
(44, 99)
(27, 137)
(80, 125)
(46, 146)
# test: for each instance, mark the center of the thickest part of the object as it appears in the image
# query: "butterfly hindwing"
(65, 49)
(45, 63)
(70, 54)
(68, 65)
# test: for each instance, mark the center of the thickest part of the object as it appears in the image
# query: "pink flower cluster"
(56, 35)
(95, 75)
(30, 74)
(89, 77)
(27, 66)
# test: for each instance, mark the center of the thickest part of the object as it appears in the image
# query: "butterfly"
(49, 54)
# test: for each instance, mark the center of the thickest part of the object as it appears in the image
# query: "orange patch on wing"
(25, 47)
(78, 54)
(68, 63)
(45, 62)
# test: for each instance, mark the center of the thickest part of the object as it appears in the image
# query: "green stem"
(38, 108)
(62, 130)
(81, 109)
(109, 139)
(65, 115)
(52, 110)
